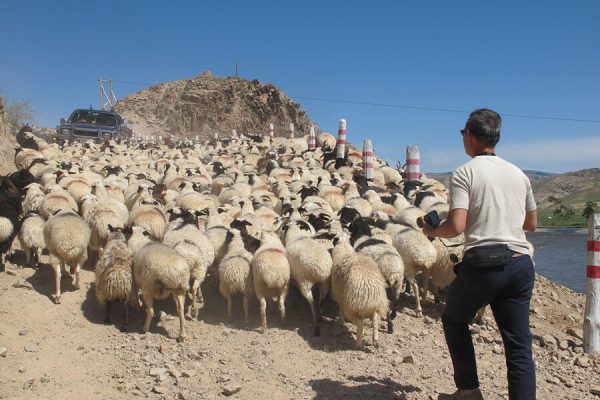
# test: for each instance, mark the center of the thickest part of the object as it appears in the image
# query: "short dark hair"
(485, 124)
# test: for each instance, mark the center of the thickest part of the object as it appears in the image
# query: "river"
(560, 255)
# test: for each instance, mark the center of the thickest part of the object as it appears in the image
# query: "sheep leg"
(149, 302)
(246, 298)
(180, 304)
(263, 314)
(38, 257)
(57, 271)
(316, 295)
(282, 304)
(375, 320)
(360, 326)
(107, 312)
(342, 319)
(3, 261)
(415, 289)
(199, 296)
(76, 280)
(194, 290)
(229, 308)
(126, 312)
(28, 256)
(425, 284)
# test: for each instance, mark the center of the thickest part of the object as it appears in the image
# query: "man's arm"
(453, 226)
(530, 223)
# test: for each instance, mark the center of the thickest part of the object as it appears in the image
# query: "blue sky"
(534, 58)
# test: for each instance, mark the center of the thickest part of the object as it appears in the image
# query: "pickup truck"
(96, 125)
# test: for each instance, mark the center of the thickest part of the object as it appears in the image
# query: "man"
(492, 203)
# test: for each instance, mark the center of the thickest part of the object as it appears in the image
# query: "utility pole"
(237, 75)
(106, 99)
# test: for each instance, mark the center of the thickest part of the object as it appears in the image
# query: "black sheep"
(10, 215)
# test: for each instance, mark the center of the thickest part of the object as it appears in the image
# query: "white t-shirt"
(496, 194)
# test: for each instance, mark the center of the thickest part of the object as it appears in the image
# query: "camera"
(431, 218)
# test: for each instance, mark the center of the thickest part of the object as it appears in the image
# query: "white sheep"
(67, 236)
(310, 265)
(31, 238)
(358, 287)
(159, 271)
(234, 273)
(270, 274)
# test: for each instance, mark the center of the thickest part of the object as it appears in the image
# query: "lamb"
(67, 236)
(358, 287)
(310, 270)
(159, 271)
(184, 236)
(387, 259)
(31, 238)
(270, 274)
(114, 276)
(234, 273)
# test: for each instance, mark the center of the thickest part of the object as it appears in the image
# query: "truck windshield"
(93, 117)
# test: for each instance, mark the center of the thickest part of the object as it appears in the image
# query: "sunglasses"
(462, 132)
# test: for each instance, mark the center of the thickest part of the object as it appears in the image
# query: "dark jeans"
(507, 289)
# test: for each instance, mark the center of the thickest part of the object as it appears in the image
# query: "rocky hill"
(206, 104)
(7, 143)
(573, 188)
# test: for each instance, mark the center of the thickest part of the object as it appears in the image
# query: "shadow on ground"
(361, 387)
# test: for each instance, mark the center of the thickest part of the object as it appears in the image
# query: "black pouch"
(487, 257)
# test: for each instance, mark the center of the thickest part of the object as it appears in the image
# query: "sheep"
(151, 216)
(159, 271)
(114, 275)
(34, 197)
(31, 238)
(55, 200)
(310, 270)
(234, 273)
(442, 271)
(184, 236)
(270, 274)
(100, 214)
(67, 236)
(387, 259)
(418, 254)
(358, 288)
(10, 209)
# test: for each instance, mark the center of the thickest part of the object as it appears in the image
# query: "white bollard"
(197, 138)
(341, 141)
(312, 139)
(233, 133)
(591, 321)
(216, 136)
(271, 130)
(368, 159)
(291, 130)
(413, 164)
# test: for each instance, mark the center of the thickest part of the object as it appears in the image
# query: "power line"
(403, 106)
(365, 103)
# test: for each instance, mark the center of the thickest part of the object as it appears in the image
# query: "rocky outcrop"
(7, 143)
(207, 104)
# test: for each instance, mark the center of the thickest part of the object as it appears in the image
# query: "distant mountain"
(573, 189)
(534, 176)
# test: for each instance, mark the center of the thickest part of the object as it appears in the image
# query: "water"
(561, 256)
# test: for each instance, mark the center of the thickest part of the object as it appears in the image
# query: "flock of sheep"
(258, 212)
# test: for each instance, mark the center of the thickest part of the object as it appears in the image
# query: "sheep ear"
(127, 230)
(146, 233)
(228, 236)
(454, 258)
(336, 240)
(110, 228)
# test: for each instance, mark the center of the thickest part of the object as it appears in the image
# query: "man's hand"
(453, 226)
(427, 229)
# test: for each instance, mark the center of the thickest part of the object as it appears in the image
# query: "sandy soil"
(66, 352)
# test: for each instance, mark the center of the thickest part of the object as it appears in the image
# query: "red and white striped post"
(368, 159)
(591, 321)
(312, 139)
(341, 140)
(291, 130)
(271, 130)
(413, 164)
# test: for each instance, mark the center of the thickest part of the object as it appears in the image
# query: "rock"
(154, 372)
(553, 380)
(188, 373)
(183, 396)
(548, 341)
(162, 349)
(474, 328)
(563, 344)
(254, 342)
(223, 378)
(497, 349)
(22, 369)
(45, 378)
(428, 320)
(29, 383)
(362, 356)
(23, 332)
(408, 359)
(576, 333)
(32, 348)
(582, 362)
(3, 351)
(231, 389)
(595, 390)
(159, 389)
